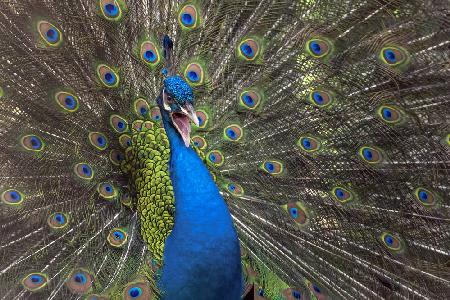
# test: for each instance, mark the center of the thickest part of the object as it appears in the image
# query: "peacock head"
(177, 106)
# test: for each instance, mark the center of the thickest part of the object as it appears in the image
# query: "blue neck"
(201, 255)
(192, 182)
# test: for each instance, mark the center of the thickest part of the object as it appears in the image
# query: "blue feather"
(202, 254)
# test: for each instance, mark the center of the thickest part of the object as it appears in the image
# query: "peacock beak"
(189, 110)
(181, 121)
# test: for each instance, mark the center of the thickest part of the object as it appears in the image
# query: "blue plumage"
(201, 255)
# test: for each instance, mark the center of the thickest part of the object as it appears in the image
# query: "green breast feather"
(147, 163)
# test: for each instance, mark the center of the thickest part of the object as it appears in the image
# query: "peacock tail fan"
(323, 123)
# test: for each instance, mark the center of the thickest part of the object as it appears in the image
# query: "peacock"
(224, 149)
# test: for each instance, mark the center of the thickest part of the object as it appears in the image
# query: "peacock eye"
(203, 118)
(234, 188)
(393, 55)
(319, 47)
(125, 198)
(391, 241)
(84, 171)
(215, 157)
(321, 98)
(49, 33)
(249, 99)
(199, 142)
(98, 140)
(118, 123)
(12, 197)
(67, 101)
(108, 77)
(32, 142)
(34, 281)
(149, 53)
(80, 281)
(137, 290)
(194, 73)
(249, 49)
(155, 114)
(112, 9)
(137, 125)
(106, 190)
(370, 155)
(297, 212)
(141, 107)
(341, 194)
(425, 197)
(188, 17)
(272, 167)
(117, 237)
(309, 144)
(233, 133)
(116, 157)
(125, 141)
(390, 114)
(57, 220)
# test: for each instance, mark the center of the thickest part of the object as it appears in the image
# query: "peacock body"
(271, 149)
